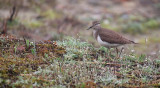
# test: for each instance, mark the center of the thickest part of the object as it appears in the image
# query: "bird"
(108, 38)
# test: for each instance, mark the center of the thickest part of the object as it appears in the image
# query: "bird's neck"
(95, 33)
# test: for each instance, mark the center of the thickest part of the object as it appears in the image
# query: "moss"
(152, 24)
(33, 23)
(10, 45)
(23, 60)
(133, 28)
(54, 66)
(138, 25)
(10, 68)
(50, 14)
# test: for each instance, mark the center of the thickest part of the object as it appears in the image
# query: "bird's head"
(95, 25)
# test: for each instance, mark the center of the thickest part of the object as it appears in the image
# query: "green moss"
(134, 28)
(152, 24)
(50, 14)
(33, 23)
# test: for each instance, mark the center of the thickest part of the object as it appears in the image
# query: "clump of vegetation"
(77, 50)
(22, 56)
(133, 27)
(50, 14)
(152, 24)
(33, 23)
(11, 46)
(137, 24)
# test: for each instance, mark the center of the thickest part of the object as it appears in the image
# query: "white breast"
(106, 44)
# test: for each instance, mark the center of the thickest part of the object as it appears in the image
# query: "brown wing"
(113, 37)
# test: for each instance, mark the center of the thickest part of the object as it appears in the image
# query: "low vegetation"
(72, 63)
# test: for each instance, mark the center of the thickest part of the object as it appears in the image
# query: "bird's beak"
(90, 27)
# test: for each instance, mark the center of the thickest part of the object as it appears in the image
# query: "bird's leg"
(121, 51)
(117, 50)
(117, 56)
